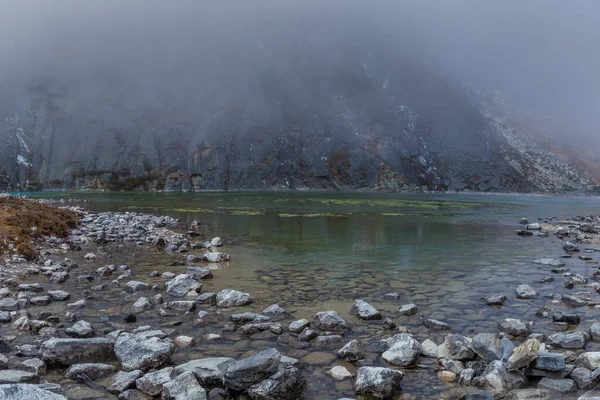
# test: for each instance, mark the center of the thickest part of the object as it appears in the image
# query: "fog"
(543, 56)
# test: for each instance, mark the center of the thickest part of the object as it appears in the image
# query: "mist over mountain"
(268, 94)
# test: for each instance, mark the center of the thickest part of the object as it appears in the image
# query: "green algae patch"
(23, 221)
(313, 215)
(235, 212)
(193, 210)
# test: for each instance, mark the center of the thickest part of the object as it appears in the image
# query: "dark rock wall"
(312, 109)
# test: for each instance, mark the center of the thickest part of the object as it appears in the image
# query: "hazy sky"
(540, 54)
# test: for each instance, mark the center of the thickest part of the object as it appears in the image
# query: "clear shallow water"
(312, 252)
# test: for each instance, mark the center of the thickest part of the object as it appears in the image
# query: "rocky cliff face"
(325, 113)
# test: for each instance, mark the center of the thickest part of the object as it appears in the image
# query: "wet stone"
(209, 371)
(124, 380)
(286, 384)
(352, 351)
(495, 300)
(142, 352)
(582, 378)
(515, 327)
(58, 295)
(452, 365)
(245, 373)
(81, 329)
(459, 347)
(152, 383)
(298, 326)
(328, 342)
(571, 319)
(66, 352)
(524, 354)
(181, 285)
(402, 351)
(339, 373)
(525, 292)
(378, 383)
(92, 371)
(487, 346)
(17, 376)
(550, 361)
(408, 309)
(573, 301)
(558, 385)
(199, 273)
(40, 300)
(183, 387)
(572, 340)
(364, 310)
(307, 334)
(207, 298)
(436, 325)
(233, 298)
(34, 365)
(589, 360)
(136, 286)
(329, 321)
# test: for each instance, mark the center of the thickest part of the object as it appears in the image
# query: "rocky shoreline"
(49, 350)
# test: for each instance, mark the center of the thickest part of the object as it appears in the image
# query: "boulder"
(286, 384)
(524, 354)
(299, 325)
(528, 394)
(408, 309)
(93, 371)
(550, 361)
(242, 374)
(487, 346)
(352, 351)
(459, 347)
(66, 352)
(209, 372)
(582, 378)
(152, 383)
(589, 360)
(499, 380)
(199, 273)
(525, 292)
(183, 387)
(403, 350)
(124, 380)
(140, 352)
(59, 295)
(329, 321)
(17, 376)
(216, 257)
(81, 329)
(181, 285)
(378, 383)
(364, 310)
(571, 340)
(557, 385)
(136, 286)
(515, 327)
(232, 298)
(27, 392)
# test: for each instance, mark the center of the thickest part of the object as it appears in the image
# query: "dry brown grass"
(18, 216)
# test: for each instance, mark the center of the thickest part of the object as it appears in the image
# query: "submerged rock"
(91, 371)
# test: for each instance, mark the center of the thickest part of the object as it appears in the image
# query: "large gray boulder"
(403, 350)
(27, 392)
(242, 374)
(524, 354)
(571, 340)
(152, 383)
(378, 383)
(232, 298)
(66, 352)
(287, 383)
(208, 371)
(364, 310)
(499, 380)
(329, 321)
(487, 346)
(17, 376)
(181, 285)
(93, 371)
(139, 352)
(183, 387)
(124, 380)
